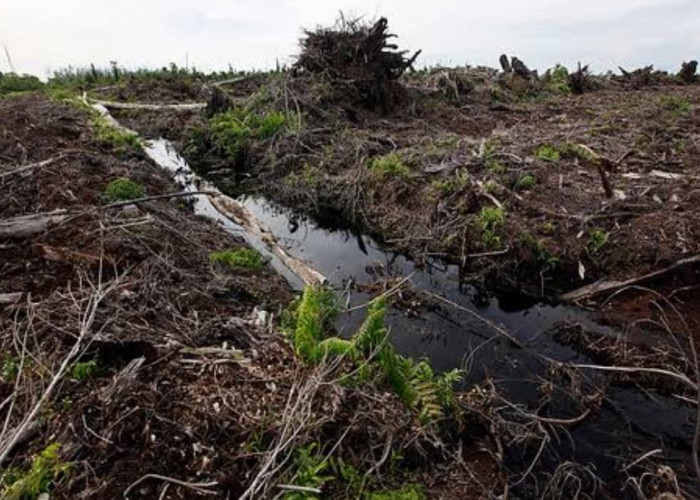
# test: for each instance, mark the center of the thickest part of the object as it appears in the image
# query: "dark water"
(629, 423)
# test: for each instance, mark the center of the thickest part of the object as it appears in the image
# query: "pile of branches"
(358, 59)
(643, 77)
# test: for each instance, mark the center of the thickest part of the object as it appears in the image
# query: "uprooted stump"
(688, 73)
(358, 60)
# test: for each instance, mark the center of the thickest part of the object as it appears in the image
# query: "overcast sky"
(45, 35)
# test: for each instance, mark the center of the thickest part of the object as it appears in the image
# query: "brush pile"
(359, 61)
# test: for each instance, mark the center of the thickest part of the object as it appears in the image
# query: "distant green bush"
(12, 82)
(244, 257)
(123, 189)
(556, 80)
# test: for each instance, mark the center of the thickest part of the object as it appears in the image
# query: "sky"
(42, 36)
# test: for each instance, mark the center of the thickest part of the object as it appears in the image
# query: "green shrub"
(123, 189)
(525, 182)
(244, 257)
(389, 166)
(12, 82)
(45, 469)
(85, 370)
(233, 131)
(547, 153)
(596, 241)
(556, 80)
(495, 167)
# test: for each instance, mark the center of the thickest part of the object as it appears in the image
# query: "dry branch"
(601, 287)
(25, 226)
(194, 106)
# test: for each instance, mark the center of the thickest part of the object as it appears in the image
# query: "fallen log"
(195, 106)
(29, 225)
(10, 298)
(241, 216)
(601, 287)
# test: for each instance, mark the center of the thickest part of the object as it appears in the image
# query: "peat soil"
(175, 384)
(473, 151)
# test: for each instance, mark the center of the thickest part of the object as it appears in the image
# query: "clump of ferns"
(308, 322)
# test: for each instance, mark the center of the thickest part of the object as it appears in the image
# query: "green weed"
(495, 167)
(525, 182)
(452, 184)
(547, 153)
(244, 257)
(233, 132)
(543, 257)
(45, 469)
(123, 189)
(310, 467)
(10, 369)
(490, 221)
(407, 492)
(389, 166)
(85, 370)
(675, 104)
(597, 239)
(107, 133)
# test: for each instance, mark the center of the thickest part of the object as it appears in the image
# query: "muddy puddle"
(629, 423)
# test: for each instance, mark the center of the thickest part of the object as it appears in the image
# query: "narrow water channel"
(629, 423)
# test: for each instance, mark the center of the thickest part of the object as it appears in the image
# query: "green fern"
(414, 383)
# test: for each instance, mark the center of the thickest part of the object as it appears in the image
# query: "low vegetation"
(308, 325)
(490, 221)
(12, 83)
(123, 189)
(123, 142)
(46, 467)
(244, 258)
(548, 153)
(388, 166)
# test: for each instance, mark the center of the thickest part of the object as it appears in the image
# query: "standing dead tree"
(688, 73)
(358, 59)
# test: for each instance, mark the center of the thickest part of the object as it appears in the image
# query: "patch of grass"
(407, 492)
(45, 469)
(548, 228)
(597, 239)
(85, 370)
(123, 189)
(105, 132)
(389, 166)
(490, 221)
(675, 104)
(244, 257)
(308, 176)
(548, 153)
(525, 182)
(543, 257)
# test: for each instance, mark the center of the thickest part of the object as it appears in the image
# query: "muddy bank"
(168, 379)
